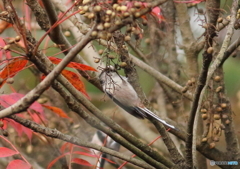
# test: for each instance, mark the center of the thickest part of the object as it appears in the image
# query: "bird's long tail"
(148, 112)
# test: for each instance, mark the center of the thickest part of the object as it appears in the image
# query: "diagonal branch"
(54, 133)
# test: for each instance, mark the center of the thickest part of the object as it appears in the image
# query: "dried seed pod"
(84, 2)
(91, 15)
(100, 51)
(132, 10)
(123, 64)
(204, 139)
(100, 27)
(107, 25)
(123, 8)
(85, 8)
(94, 33)
(219, 20)
(224, 116)
(6, 47)
(42, 100)
(216, 116)
(127, 38)
(109, 12)
(227, 121)
(219, 109)
(203, 111)
(10, 80)
(97, 60)
(217, 78)
(97, 8)
(126, 14)
(17, 38)
(137, 4)
(212, 145)
(210, 50)
(204, 116)
(111, 56)
(223, 105)
(115, 6)
(137, 14)
(218, 89)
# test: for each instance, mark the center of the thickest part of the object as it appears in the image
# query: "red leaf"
(73, 64)
(19, 164)
(56, 110)
(75, 80)
(5, 53)
(81, 162)
(4, 25)
(85, 154)
(12, 68)
(64, 146)
(6, 152)
(191, 1)
(156, 12)
(7, 100)
(56, 159)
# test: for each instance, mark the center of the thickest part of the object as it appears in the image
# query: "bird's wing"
(132, 110)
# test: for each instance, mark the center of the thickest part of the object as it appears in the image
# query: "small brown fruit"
(203, 111)
(212, 145)
(97, 60)
(219, 20)
(67, 33)
(137, 14)
(223, 105)
(127, 38)
(216, 116)
(6, 47)
(219, 109)
(217, 78)
(97, 8)
(204, 116)
(210, 50)
(123, 64)
(227, 122)
(218, 89)
(224, 116)
(100, 52)
(91, 15)
(204, 139)
(10, 81)
(94, 33)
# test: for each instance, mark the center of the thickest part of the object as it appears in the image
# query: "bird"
(123, 94)
(101, 139)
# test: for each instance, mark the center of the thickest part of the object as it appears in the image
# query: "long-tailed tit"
(123, 94)
(101, 138)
